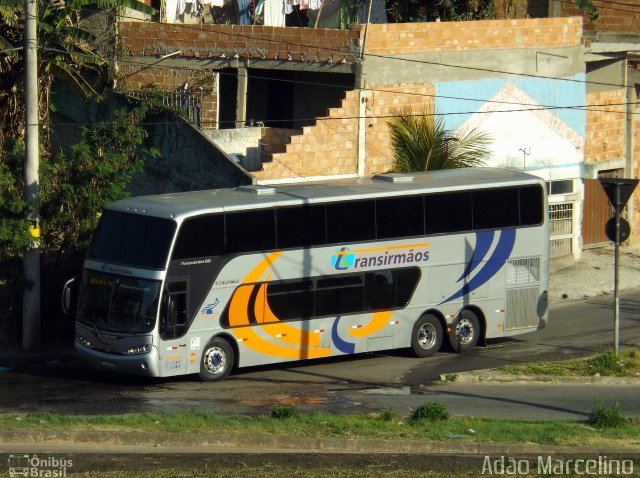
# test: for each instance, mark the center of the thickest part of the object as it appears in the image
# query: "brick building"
(612, 59)
(289, 104)
(321, 97)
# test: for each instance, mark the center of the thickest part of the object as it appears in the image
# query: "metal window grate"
(523, 271)
(561, 229)
(522, 308)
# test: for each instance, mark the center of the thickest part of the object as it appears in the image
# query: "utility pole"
(31, 263)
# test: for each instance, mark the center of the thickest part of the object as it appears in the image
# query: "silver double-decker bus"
(206, 281)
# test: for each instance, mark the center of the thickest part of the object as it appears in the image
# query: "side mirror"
(69, 295)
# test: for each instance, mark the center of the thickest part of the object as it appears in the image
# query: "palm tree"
(420, 142)
(66, 51)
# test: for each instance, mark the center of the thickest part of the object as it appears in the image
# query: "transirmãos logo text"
(347, 259)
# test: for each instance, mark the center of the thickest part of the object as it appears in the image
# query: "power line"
(357, 117)
(434, 96)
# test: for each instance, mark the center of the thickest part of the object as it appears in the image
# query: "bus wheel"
(426, 338)
(217, 360)
(465, 331)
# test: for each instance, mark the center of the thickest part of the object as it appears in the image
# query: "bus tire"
(217, 360)
(465, 331)
(426, 338)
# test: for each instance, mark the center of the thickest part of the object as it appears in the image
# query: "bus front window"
(118, 304)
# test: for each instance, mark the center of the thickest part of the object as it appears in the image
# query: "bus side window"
(173, 318)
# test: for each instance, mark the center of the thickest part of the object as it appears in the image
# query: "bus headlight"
(80, 339)
(140, 349)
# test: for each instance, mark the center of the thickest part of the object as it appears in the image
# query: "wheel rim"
(464, 331)
(427, 336)
(215, 360)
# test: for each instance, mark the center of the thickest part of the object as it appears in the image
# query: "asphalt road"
(360, 384)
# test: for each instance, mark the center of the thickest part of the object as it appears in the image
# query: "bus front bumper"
(142, 364)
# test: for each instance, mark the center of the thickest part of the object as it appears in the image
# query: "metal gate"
(561, 229)
(596, 213)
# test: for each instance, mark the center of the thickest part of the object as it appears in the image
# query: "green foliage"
(605, 363)
(73, 192)
(283, 412)
(430, 412)
(421, 142)
(589, 8)
(409, 11)
(388, 415)
(66, 52)
(77, 188)
(607, 416)
(14, 235)
(627, 364)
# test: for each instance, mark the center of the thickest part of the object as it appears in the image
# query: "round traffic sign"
(610, 229)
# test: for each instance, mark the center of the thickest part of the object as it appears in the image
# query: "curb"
(489, 376)
(261, 444)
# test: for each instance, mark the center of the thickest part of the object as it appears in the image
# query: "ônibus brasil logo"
(346, 259)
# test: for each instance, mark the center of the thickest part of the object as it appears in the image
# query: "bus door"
(172, 347)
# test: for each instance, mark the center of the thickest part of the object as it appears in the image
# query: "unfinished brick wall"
(605, 126)
(621, 17)
(382, 102)
(246, 41)
(137, 78)
(406, 38)
(329, 147)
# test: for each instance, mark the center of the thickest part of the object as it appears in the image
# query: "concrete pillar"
(241, 98)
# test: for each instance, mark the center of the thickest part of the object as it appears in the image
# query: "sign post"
(617, 230)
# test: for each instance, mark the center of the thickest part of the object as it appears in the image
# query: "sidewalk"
(593, 274)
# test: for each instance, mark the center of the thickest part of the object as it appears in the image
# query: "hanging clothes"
(274, 13)
(171, 10)
(213, 3)
(244, 16)
(182, 6)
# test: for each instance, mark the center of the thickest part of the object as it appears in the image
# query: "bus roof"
(180, 205)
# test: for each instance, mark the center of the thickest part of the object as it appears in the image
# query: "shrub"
(607, 416)
(432, 412)
(282, 412)
(387, 415)
(605, 363)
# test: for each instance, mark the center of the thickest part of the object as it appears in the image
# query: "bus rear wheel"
(426, 338)
(217, 360)
(465, 331)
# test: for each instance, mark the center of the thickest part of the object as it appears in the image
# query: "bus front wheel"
(426, 338)
(217, 360)
(465, 331)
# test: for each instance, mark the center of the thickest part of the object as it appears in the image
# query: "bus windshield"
(132, 240)
(118, 304)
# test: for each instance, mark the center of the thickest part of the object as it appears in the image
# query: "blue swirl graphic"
(341, 345)
(494, 264)
(483, 243)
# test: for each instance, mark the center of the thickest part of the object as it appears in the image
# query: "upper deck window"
(133, 240)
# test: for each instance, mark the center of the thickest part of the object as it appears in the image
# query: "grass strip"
(383, 426)
(605, 364)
